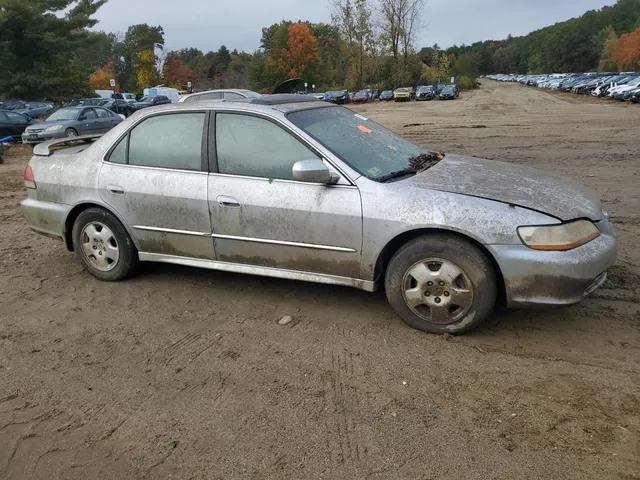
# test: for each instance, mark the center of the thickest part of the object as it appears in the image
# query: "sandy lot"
(185, 374)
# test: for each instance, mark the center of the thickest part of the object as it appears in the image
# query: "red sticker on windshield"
(364, 129)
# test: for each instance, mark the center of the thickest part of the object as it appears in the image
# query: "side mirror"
(313, 171)
(82, 118)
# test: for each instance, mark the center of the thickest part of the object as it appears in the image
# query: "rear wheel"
(70, 132)
(103, 245)
(441, 284)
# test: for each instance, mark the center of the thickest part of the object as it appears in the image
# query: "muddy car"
(286, 186)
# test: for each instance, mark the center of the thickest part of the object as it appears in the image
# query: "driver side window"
(255, 147)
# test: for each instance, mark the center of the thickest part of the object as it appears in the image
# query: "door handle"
(230, 202)
(115, 189)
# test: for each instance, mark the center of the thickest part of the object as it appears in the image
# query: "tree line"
(604, 40)
(49, 50)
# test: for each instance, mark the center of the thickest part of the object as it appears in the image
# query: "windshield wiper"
(417, 164)
(397, 174)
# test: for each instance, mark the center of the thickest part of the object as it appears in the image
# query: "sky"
(207, 24)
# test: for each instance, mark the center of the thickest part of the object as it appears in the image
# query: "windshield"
(63, 114)
(250, 94)
(365, 146)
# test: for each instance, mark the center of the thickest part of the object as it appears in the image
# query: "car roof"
(282, 103)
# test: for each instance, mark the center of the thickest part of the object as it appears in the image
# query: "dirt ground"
(185, 374)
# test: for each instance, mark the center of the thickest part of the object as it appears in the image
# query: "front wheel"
(70, 132)
(104, 246)
(441, 284)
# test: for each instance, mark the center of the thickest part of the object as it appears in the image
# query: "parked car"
(87, 102)
(386, 95)
(339, 97)
(425, 92)
(12, 124)
(127, 97)
(362, 96)
(148, 101)
(402, 94)
(71, 122)
(448, 93)
(220, 94)
(116, 105)
(448, 236)
(33, 109)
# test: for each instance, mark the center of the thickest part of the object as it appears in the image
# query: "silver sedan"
(289, 187)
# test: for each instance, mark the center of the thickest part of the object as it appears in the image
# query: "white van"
(171, 93)
(105, 93)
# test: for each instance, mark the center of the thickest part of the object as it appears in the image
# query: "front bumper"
(46, 218)
(40, 137)
(539, 278)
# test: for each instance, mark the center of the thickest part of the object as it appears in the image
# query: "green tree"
(43, 47)
(139, 38)
(607, 58)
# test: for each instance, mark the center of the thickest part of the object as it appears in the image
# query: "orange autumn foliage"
(300, 54)
(626, 51)
(99, 79)
(176, 72)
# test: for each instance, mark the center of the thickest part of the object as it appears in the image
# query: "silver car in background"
(286, 186)
(220, 94)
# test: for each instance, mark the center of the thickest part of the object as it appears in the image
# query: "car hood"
(513, 184)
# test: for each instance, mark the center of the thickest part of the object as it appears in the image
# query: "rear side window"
(102, 113)
(165, 141)
(168, 141)
(119, 154)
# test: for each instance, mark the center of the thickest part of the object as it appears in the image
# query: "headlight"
(53, 128)
(559, 237)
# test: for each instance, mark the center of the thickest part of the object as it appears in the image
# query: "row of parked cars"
(88, 116)
(623, 86)
(402, 94)
(35, 122)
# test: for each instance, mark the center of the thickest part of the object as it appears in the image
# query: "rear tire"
(104, 246)
(441, 284)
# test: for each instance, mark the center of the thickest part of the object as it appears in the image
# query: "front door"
(262, 216)
(155, 181)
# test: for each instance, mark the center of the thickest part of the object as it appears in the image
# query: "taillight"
(28, 178)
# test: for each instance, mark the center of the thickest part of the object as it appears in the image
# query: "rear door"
(155, 179)
(106, 120)
(262, 216)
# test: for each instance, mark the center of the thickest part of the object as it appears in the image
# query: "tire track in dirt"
(342, 404)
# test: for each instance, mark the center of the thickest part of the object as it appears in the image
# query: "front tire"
(104, 246)
(70, 132)
(441, 284)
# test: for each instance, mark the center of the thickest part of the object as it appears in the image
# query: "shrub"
(467, 83)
